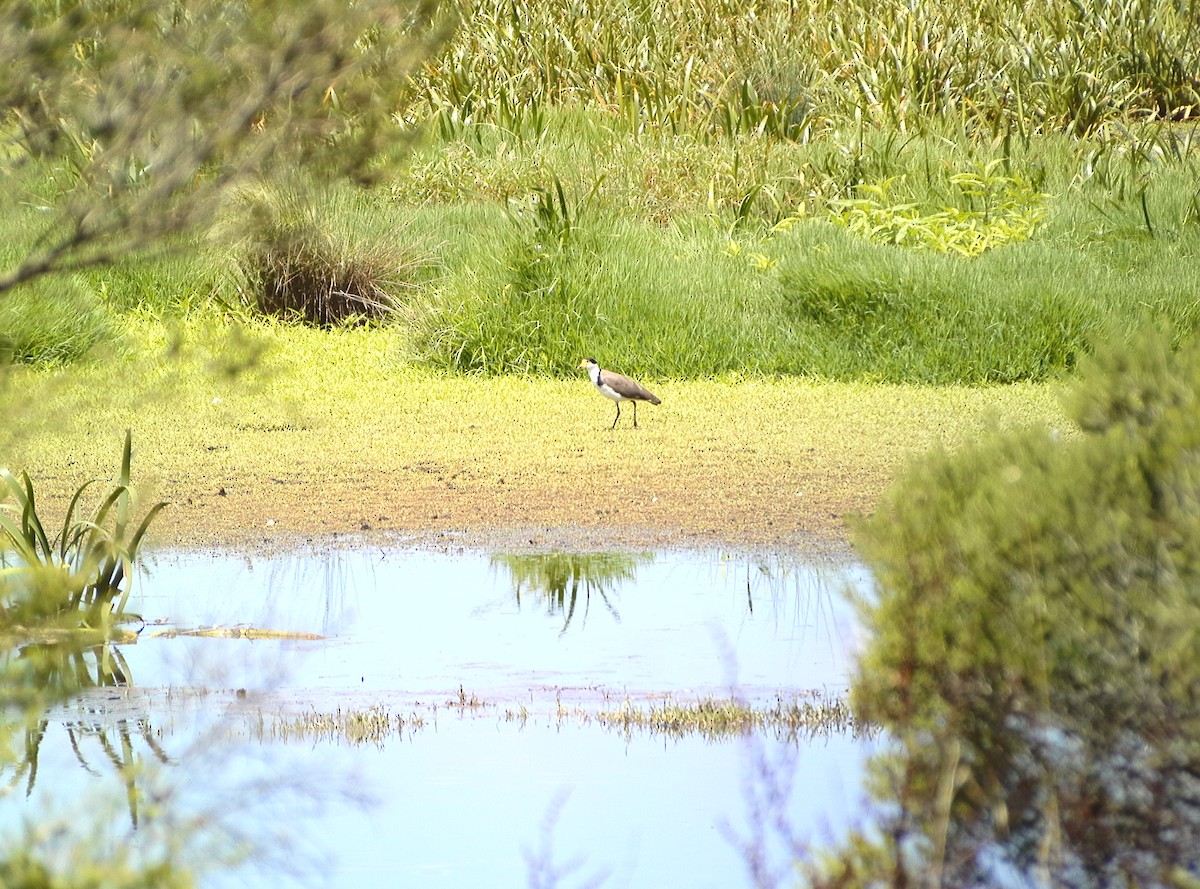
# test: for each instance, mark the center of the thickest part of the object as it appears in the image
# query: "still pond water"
(519, 787)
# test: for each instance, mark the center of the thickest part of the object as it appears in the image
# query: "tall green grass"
(794, 69)
(657, 184)
(812, 299)
(651, 300)
(53, 321)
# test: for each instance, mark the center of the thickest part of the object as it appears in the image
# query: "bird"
(618, 388)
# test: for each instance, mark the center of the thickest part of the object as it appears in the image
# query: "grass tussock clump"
(324, 257)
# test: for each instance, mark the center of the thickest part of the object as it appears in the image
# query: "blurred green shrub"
(1034, 640)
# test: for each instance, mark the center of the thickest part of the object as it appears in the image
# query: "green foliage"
(147, 114)
(716, 69)
(1033, 646)
(323, 256)
(23, 869)
(1010, 212)
(655, 149)
(52, 320)
(80, 577)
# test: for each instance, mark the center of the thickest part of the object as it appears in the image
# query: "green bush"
(1033, 656)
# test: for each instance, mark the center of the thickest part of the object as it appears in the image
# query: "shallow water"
(475, 797)
(420, 621)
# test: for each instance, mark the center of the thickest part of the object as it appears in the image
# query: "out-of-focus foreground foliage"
(136, 117)
(1034, 648)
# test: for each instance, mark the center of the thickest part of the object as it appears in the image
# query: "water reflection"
(427, 623)
(559, 579)
(33, 673)
(41, 683)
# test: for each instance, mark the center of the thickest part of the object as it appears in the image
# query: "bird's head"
(588, 362)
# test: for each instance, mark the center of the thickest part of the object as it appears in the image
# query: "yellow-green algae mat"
(266, 433)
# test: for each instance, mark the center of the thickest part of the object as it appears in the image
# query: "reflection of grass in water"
(560, 578)
(807, 594)
(37, 675)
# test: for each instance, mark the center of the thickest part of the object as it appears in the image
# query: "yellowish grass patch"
(265, 433)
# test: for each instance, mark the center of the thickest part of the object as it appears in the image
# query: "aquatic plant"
(372, 725)
(80, 578)
(716, 718)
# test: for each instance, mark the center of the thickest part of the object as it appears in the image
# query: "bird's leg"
(635, 415)
(617, 417)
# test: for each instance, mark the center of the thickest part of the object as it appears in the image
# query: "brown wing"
(628, 388)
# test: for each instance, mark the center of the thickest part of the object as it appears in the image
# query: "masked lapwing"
(618, 388)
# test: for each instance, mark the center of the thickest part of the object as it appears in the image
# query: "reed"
(793, 69)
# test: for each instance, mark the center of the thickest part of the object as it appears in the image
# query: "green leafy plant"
(81, 577)
(1008, 211)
